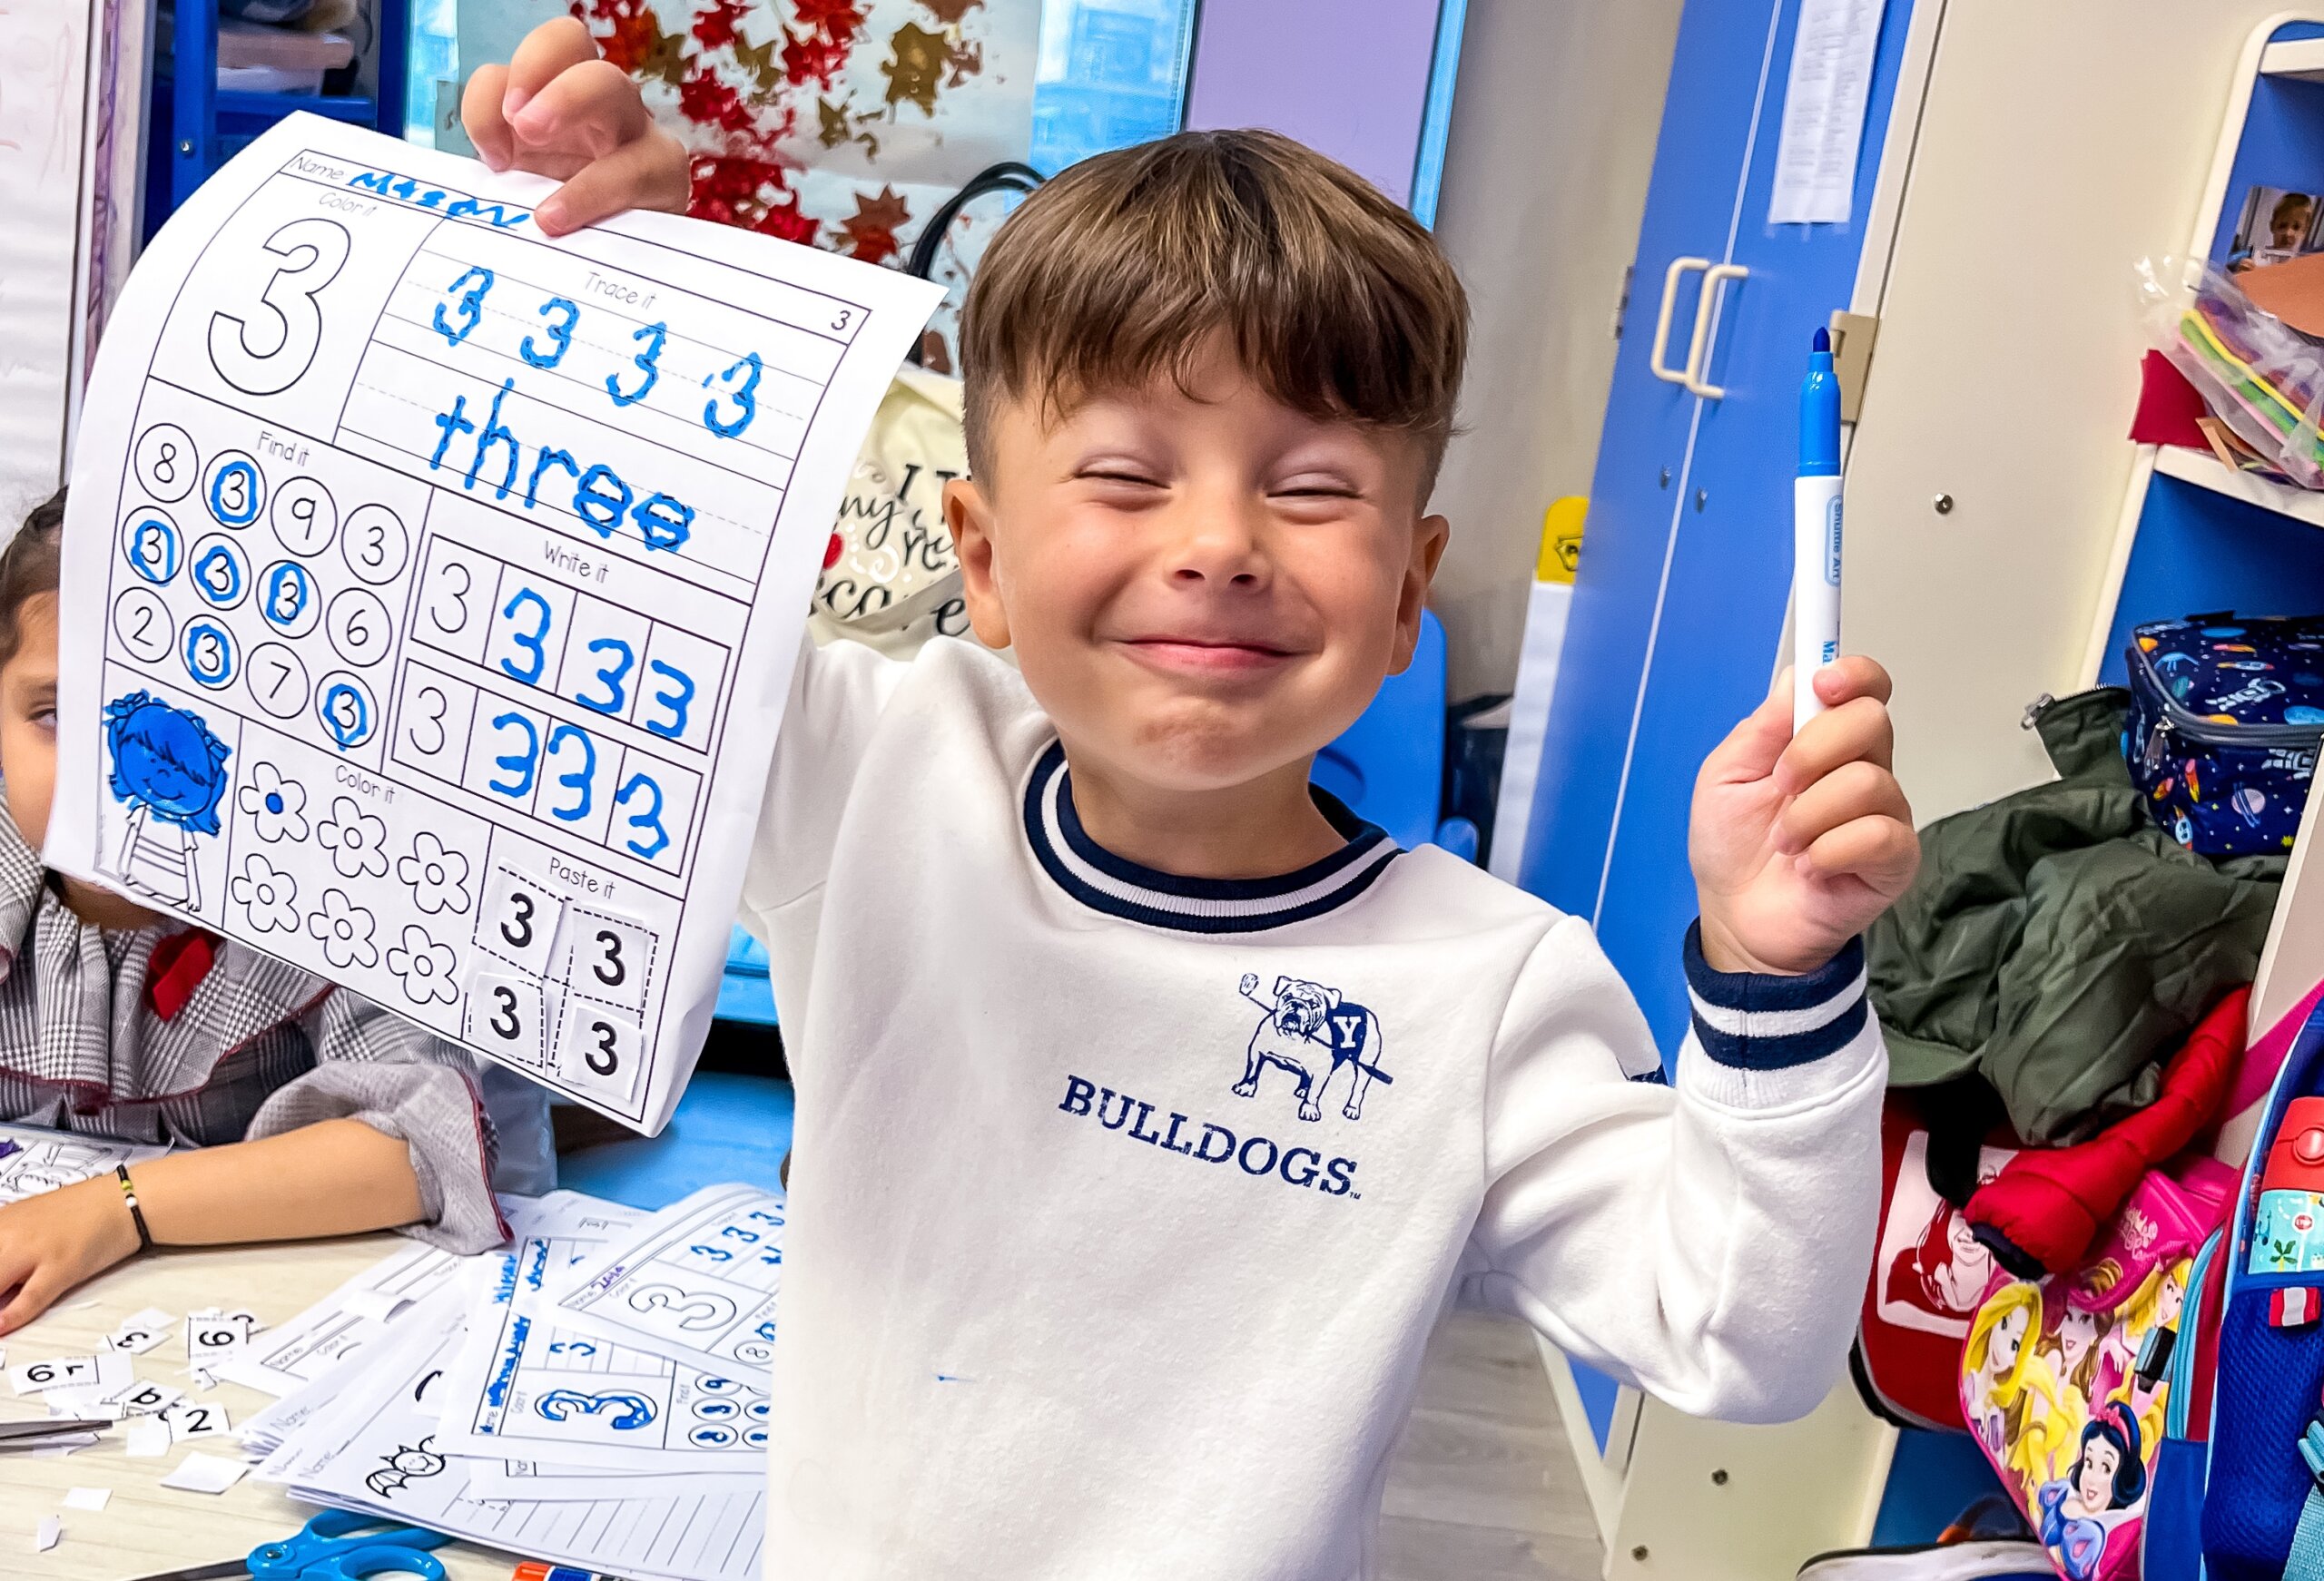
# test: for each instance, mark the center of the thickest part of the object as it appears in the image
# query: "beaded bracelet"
(128, 1195)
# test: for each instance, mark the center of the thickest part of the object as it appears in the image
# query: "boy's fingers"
(586, 112)
(481, 119)
(1857, 730)
(1882, 852)
(649, 174)
(1852, 675)
(545, 52)
(1852, 790)
(1753, 747)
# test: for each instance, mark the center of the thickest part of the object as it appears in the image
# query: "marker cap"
(1819, 413)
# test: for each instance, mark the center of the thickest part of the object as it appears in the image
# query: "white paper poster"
(432, 589)
(1823, 111)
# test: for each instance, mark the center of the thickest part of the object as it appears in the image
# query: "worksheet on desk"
(526, 1388)
(34, 1159)
(432, 587)
(698, 1282)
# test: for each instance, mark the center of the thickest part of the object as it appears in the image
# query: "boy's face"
(1199, 589)
(28, 719)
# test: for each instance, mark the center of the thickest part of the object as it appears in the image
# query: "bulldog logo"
(1312, 1031)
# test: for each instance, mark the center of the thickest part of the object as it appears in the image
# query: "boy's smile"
(1202, 586)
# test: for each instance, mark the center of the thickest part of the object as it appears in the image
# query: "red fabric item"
(179, 964)
(2048, 1206)
(2168, 406)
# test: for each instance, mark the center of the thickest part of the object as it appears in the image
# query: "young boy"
(1150, 1108)
(299, 1110)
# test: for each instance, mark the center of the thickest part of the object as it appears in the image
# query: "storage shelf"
(2205, 471)
(2301, 58)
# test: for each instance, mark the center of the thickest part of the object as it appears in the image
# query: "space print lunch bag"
(2226, 714)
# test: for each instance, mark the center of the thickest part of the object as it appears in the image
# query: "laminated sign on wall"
(432, 589)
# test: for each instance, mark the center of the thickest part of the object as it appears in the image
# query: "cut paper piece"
(195, 1419)
(201, 1473)
(88, 1498)
(149, 1439)
(48, 1534)
(85, 1402)
(110, 1370)
(140, 1332)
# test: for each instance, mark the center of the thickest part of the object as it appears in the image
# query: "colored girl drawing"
(170, 771)
(2089, 1517)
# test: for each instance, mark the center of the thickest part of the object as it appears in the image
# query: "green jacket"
(2059, 944)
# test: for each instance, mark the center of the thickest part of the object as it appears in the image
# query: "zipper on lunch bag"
(2179, 719)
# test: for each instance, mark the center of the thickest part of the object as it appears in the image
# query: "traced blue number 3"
(524, 765)
(745, 400)
(579, 779)
(468, 303)
(677, 701)
(615, 676)
(651, 819)
(653, 335)
(560, 335)
(628, 1410)
(530, 642)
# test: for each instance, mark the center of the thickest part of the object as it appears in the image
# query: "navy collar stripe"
(1105, 882)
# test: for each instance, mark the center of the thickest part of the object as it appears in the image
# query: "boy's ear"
(969, 514)
(1429, 539)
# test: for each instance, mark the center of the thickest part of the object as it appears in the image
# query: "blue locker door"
(1716, 90)
(1722, 611)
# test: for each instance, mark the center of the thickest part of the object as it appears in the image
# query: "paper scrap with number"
(431, 588)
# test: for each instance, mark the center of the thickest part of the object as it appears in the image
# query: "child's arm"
(335, 1178)
(1712, 1242)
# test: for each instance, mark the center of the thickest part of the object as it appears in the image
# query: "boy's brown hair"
(1339, 304)
(29, 568)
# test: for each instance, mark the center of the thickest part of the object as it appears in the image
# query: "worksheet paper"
(377, 1449)
(1823, 111)
(527, 1387)
(288, 1358)
(44, 1160)
(432, 587)
(696, 1281)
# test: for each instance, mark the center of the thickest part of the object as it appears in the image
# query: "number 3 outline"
(298, 333)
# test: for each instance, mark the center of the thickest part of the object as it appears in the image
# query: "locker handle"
(1685, 376)
(1708, 303)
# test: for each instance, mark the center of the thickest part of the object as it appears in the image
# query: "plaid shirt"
(125, 1034)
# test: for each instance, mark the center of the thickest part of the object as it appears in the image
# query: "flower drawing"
(355, 839)
(276, 807)
(425, 967)
(265, 893)
(437, 877)
(345, 930)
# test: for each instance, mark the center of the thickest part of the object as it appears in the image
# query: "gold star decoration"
(949, 11)
(760, 61)
(833, 127)
(917, 66)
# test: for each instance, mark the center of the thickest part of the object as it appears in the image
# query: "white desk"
(147, 1529)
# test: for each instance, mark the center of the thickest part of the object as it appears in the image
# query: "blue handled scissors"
(335, 1546)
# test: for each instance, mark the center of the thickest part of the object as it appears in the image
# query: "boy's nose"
(1219, 545)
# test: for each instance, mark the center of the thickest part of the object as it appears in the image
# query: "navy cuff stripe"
(1818, 1014)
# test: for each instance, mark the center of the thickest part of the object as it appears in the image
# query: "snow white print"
(2090, 1518)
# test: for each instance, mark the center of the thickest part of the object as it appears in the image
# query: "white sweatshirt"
(1123, 1203)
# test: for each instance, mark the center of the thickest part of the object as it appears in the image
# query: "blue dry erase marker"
(1816, 533)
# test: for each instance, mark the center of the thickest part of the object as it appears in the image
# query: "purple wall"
(1347, 77)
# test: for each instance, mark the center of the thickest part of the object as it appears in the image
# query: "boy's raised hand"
(1798, 843)
(559, 110)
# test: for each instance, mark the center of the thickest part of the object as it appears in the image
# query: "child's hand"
(556, 109)
(1797, 844)
(56, 1240)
